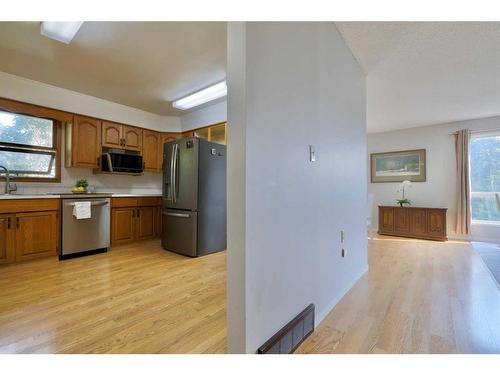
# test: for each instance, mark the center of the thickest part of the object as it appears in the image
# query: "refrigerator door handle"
(172, 173)
(174, 214)
(176, 157)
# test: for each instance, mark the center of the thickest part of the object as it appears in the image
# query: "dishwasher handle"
(92, 203)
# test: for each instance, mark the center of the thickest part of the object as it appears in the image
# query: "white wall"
(292, 85)
(34, 92)
(208, 115)
(29, 91)
(440, 188)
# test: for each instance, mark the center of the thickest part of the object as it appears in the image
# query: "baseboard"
(324, 312)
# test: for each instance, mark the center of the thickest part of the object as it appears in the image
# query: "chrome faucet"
(8, 186)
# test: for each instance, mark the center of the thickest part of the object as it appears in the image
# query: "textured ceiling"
(422, 73)
(140, 64)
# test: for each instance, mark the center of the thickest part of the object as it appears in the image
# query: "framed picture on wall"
(398, 166)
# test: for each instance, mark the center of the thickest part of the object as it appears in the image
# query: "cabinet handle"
(17, 223)
(133, 213)
(138, 213)
(8, 223)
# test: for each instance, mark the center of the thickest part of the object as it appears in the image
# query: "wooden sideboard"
(415, 222)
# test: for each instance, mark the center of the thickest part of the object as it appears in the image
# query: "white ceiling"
(422, 73)
(140, 64)
(418, 73)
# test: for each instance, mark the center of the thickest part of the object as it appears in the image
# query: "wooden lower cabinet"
(137, 221)
(122, 225)
(416, 222)
(26, 233)
(146, 223)
(36, 234)
(7, 253)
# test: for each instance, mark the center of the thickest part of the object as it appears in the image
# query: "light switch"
(312, 154)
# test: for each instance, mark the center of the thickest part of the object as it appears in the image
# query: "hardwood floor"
(418, 297)
(134, 299)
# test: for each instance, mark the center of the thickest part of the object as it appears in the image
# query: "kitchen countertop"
(69, 195)
(135, 195)
(29, 196)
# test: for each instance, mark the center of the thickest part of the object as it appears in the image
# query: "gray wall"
(292, 85)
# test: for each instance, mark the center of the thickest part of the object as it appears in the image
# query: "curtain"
(462, 138)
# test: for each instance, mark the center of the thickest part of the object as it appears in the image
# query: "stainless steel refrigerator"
(194, 197)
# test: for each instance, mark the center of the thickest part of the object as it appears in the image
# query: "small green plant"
(82, 183)
(404, 201)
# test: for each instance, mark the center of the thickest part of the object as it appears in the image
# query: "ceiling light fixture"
(61, 31)
(216, 91)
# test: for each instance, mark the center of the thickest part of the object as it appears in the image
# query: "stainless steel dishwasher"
(85, 236)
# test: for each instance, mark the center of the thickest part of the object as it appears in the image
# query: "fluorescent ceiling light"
(60, 31)
(216, 91)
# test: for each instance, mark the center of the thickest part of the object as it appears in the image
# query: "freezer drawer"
(179, 231)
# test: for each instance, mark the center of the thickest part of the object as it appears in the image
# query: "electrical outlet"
(344, 253)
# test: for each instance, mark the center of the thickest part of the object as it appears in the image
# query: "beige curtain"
(463, 204)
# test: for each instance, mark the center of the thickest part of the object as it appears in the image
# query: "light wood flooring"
(134, 299)
(418, 297)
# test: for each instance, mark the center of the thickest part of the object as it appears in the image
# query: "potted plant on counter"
(404, 185)
(80, 186)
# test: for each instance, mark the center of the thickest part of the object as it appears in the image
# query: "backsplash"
(149, 183)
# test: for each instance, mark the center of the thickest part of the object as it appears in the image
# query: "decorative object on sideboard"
(398, 166)
(404, 185)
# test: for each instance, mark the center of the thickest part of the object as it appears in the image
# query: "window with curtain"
(28, 147)
(485, 178)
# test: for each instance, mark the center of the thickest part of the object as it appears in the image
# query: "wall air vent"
(291, 335)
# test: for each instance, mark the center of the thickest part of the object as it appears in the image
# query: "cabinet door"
(418, 222)
(167, 137)
(151, 151)
(386, 219)
(203, 133)
(36, 235)
(132, 138)
(401, 220)
(6, 238)
(436, 223)
(146, 222)
(218, 134)
(86, 142)
(122, 225)
(111, 135)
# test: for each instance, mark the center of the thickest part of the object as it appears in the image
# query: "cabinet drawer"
(124, 202)
(149, 201)
(28, 205)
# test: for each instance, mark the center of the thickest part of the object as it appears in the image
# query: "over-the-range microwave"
(121, 161)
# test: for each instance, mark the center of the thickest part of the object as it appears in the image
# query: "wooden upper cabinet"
(36, 234)
(121, 136)
(218, 134)
(132, 138)
(85, 134)
(167, 137)
(152, 150)
(111, 135)
(7, 238)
